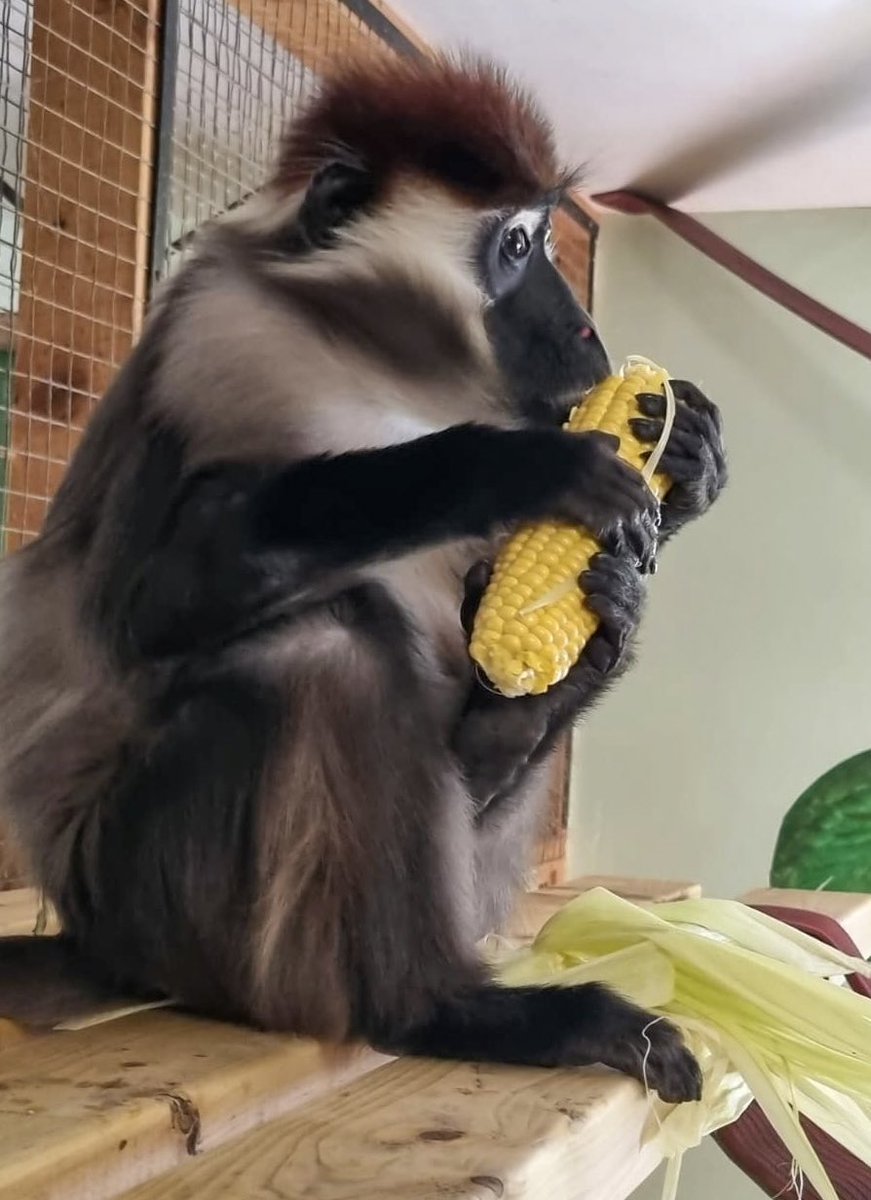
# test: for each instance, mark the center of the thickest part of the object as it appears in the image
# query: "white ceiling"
(776, 92)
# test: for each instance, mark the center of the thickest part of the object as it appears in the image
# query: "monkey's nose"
(586, 331)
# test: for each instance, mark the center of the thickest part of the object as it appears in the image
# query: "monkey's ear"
(338, 191)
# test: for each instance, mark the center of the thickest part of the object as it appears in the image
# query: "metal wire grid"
(78, 92)
(234, 89)
(240, 71)
(15, 25)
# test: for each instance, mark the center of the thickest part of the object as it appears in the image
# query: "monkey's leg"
(410, 919)
(554, 1027)
(465, 1015)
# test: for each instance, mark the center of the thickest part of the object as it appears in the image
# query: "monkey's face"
(545, 345)
(472, 292)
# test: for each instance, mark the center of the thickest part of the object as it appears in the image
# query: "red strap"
(752, 272)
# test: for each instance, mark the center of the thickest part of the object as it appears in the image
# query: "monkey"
(242, 744)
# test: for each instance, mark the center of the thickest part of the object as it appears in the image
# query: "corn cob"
(532, 624)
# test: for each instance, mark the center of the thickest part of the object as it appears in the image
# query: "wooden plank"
(18, 912)
(632, 887)
(533, 909)
(86, 1115)
(324, 33)
(147, 164)
(408, 31)
(427, 1129)
(320, 33)
(539, 905)
(852, 910)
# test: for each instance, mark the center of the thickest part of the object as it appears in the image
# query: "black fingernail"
(651, 403)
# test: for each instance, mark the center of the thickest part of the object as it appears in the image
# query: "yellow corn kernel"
(532, 624)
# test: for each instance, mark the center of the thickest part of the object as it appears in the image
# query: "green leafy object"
(760, 1005)
(825, 839)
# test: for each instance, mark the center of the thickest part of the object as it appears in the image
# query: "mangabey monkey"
(242, 742)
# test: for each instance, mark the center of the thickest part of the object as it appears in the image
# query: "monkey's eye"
(515, 243)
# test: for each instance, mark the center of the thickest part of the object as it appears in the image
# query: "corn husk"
(763, 1007)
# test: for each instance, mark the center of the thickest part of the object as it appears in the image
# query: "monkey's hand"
(611, 499)
(498, 738)
(495, 737)
(615, 591)
(694, 457)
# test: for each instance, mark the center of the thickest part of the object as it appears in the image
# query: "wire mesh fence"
(78, 97)
(124, 125)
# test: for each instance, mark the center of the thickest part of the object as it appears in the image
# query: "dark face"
(546, 346)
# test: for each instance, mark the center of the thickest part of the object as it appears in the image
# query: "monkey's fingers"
(474, 585)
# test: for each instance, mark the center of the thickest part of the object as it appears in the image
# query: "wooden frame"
(322, 33)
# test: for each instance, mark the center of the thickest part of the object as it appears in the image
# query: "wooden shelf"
(162, 1105)
(426, 1130)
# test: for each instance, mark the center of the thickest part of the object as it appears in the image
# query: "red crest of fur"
(463, 124)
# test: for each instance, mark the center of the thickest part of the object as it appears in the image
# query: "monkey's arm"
(242, 541)
(498, 739)
(694, 458)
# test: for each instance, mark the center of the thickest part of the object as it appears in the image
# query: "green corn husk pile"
(758, 1003)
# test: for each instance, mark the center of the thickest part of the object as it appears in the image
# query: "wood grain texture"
(126, 1104)
(86, 1115)
(320, 33)
(428, 1130)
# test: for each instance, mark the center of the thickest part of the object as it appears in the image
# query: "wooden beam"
(638, 889)
(18, 912)
(87, 1115)
(429, 1129)
(407, 31)
(320, 33)
(179, 1108)
(84, 269)
(147, 165)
